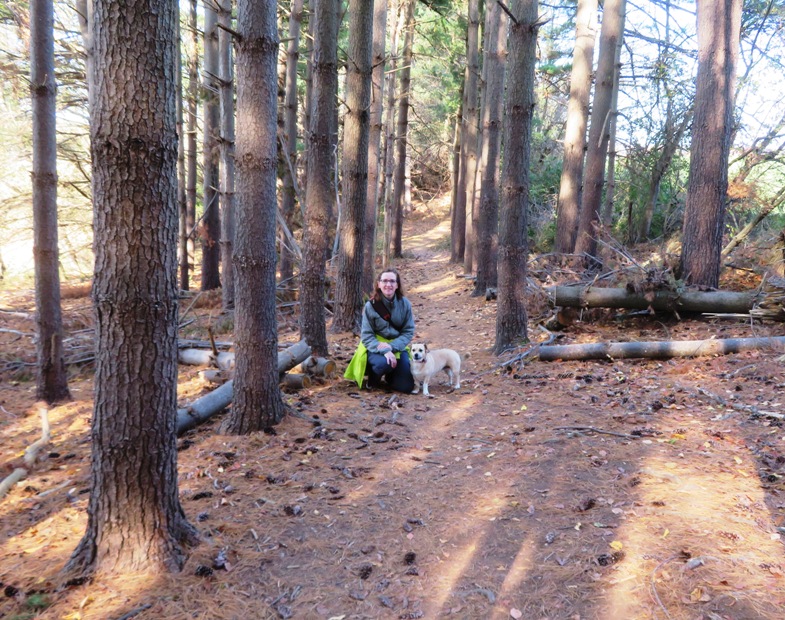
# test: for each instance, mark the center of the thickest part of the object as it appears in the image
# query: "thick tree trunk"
(611, 33)
(289, 191)
(374, 153)
(396, 242)
(568, 209)
(704, 214)
(226, 91)
(469, 123)
(211, 219)
(257, 397)
(661, 301)
(320, 197)
(51, 376)
(511, 317)
(356, 134)
(658, 350)
(494, 61)
(134, 518)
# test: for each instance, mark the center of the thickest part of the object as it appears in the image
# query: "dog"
(426, 363)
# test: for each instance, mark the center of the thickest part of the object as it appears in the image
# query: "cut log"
(662, 301)
(296, 381)
(658, 350)
(204, 408)
(31, 454)
(319, 366)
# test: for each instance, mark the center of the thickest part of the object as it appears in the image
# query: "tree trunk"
(226, 91)
(51, 376)
(319, 198)
(257, 397)
(182, 200)
(666, 301)
(289, 191)
(611, 34)
(672, 138)
(511, 318)
(494, 61)
(658, 350)
(610, 186)
(134, 518)
(356, 134)
(473, 169)
(567, 213)
(374, 154)
(389, 134)
(402, 132)
(704, 214)
(187, 260)
(468, 131)
(211, 219)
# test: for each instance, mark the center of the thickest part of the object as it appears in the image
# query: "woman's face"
(388, 284)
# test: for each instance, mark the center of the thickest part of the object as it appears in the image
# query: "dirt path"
(603, 490)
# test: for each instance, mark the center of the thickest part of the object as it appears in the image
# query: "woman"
(387, 330)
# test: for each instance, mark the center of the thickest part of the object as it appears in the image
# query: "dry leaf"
(516, 613)
(616, 545)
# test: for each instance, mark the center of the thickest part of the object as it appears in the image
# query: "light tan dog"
(426, 363)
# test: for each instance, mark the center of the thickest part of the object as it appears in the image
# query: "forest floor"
(608, 490)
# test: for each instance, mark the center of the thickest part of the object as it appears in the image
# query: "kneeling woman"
(387, 330)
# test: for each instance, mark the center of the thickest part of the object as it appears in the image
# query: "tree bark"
(51, 376)
(402, 131)
(227, 167)
(658, 350)
(211, 219)
(356, 135)
(257, 397)
(611, 33)
(568, 209)
(494, 61)
(374, 154)
(661, 301)
(134, 518)
(511, 317)
(320, 198)
(719, 24)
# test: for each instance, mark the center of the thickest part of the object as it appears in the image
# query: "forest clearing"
(564, 490)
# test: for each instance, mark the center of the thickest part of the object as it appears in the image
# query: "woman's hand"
(391, 359)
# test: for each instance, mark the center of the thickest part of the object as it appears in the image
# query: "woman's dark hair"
(378, 295)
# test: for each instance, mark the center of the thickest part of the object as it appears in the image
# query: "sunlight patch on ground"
(673, 550)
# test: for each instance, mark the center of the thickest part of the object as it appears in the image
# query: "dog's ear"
(425, 344)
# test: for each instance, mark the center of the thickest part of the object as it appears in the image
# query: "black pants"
(399, 378)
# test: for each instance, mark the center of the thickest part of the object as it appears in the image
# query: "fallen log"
(204, 408)
(319, 366)
(296, 381)
(658, 350)
(204, 357)
(30, 455)
(662, 301)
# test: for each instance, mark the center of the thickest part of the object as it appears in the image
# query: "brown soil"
(623, 489)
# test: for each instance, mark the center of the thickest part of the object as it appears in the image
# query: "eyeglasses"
(388, 281)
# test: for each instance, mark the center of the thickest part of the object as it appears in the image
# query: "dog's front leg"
(425, 391)
(416, 389)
